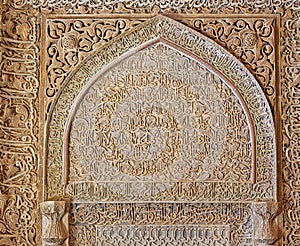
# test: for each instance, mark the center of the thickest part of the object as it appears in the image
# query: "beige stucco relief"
(163, 121)
(35, 64)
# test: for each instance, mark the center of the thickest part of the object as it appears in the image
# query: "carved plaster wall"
(42, 46)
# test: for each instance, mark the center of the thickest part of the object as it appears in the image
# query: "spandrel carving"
(252, 40)
(70, 41)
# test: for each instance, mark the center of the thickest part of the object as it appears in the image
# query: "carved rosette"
(55, 223)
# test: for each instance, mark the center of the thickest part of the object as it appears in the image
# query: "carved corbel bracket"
(55, 223)
(265, 216)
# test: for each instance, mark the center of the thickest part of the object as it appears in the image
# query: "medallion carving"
(159, 128)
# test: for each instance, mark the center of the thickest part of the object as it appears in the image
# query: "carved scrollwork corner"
(55, 228)
(265, 221)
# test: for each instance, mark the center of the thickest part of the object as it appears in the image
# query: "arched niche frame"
(162, 30)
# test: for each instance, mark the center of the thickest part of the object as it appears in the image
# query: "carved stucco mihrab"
(193, 109)
(20, 81)
(210, 53)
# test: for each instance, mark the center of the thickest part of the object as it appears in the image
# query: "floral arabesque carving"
(252, 40)
(70, 41)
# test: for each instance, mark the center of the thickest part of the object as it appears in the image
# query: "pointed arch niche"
(163, 121)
